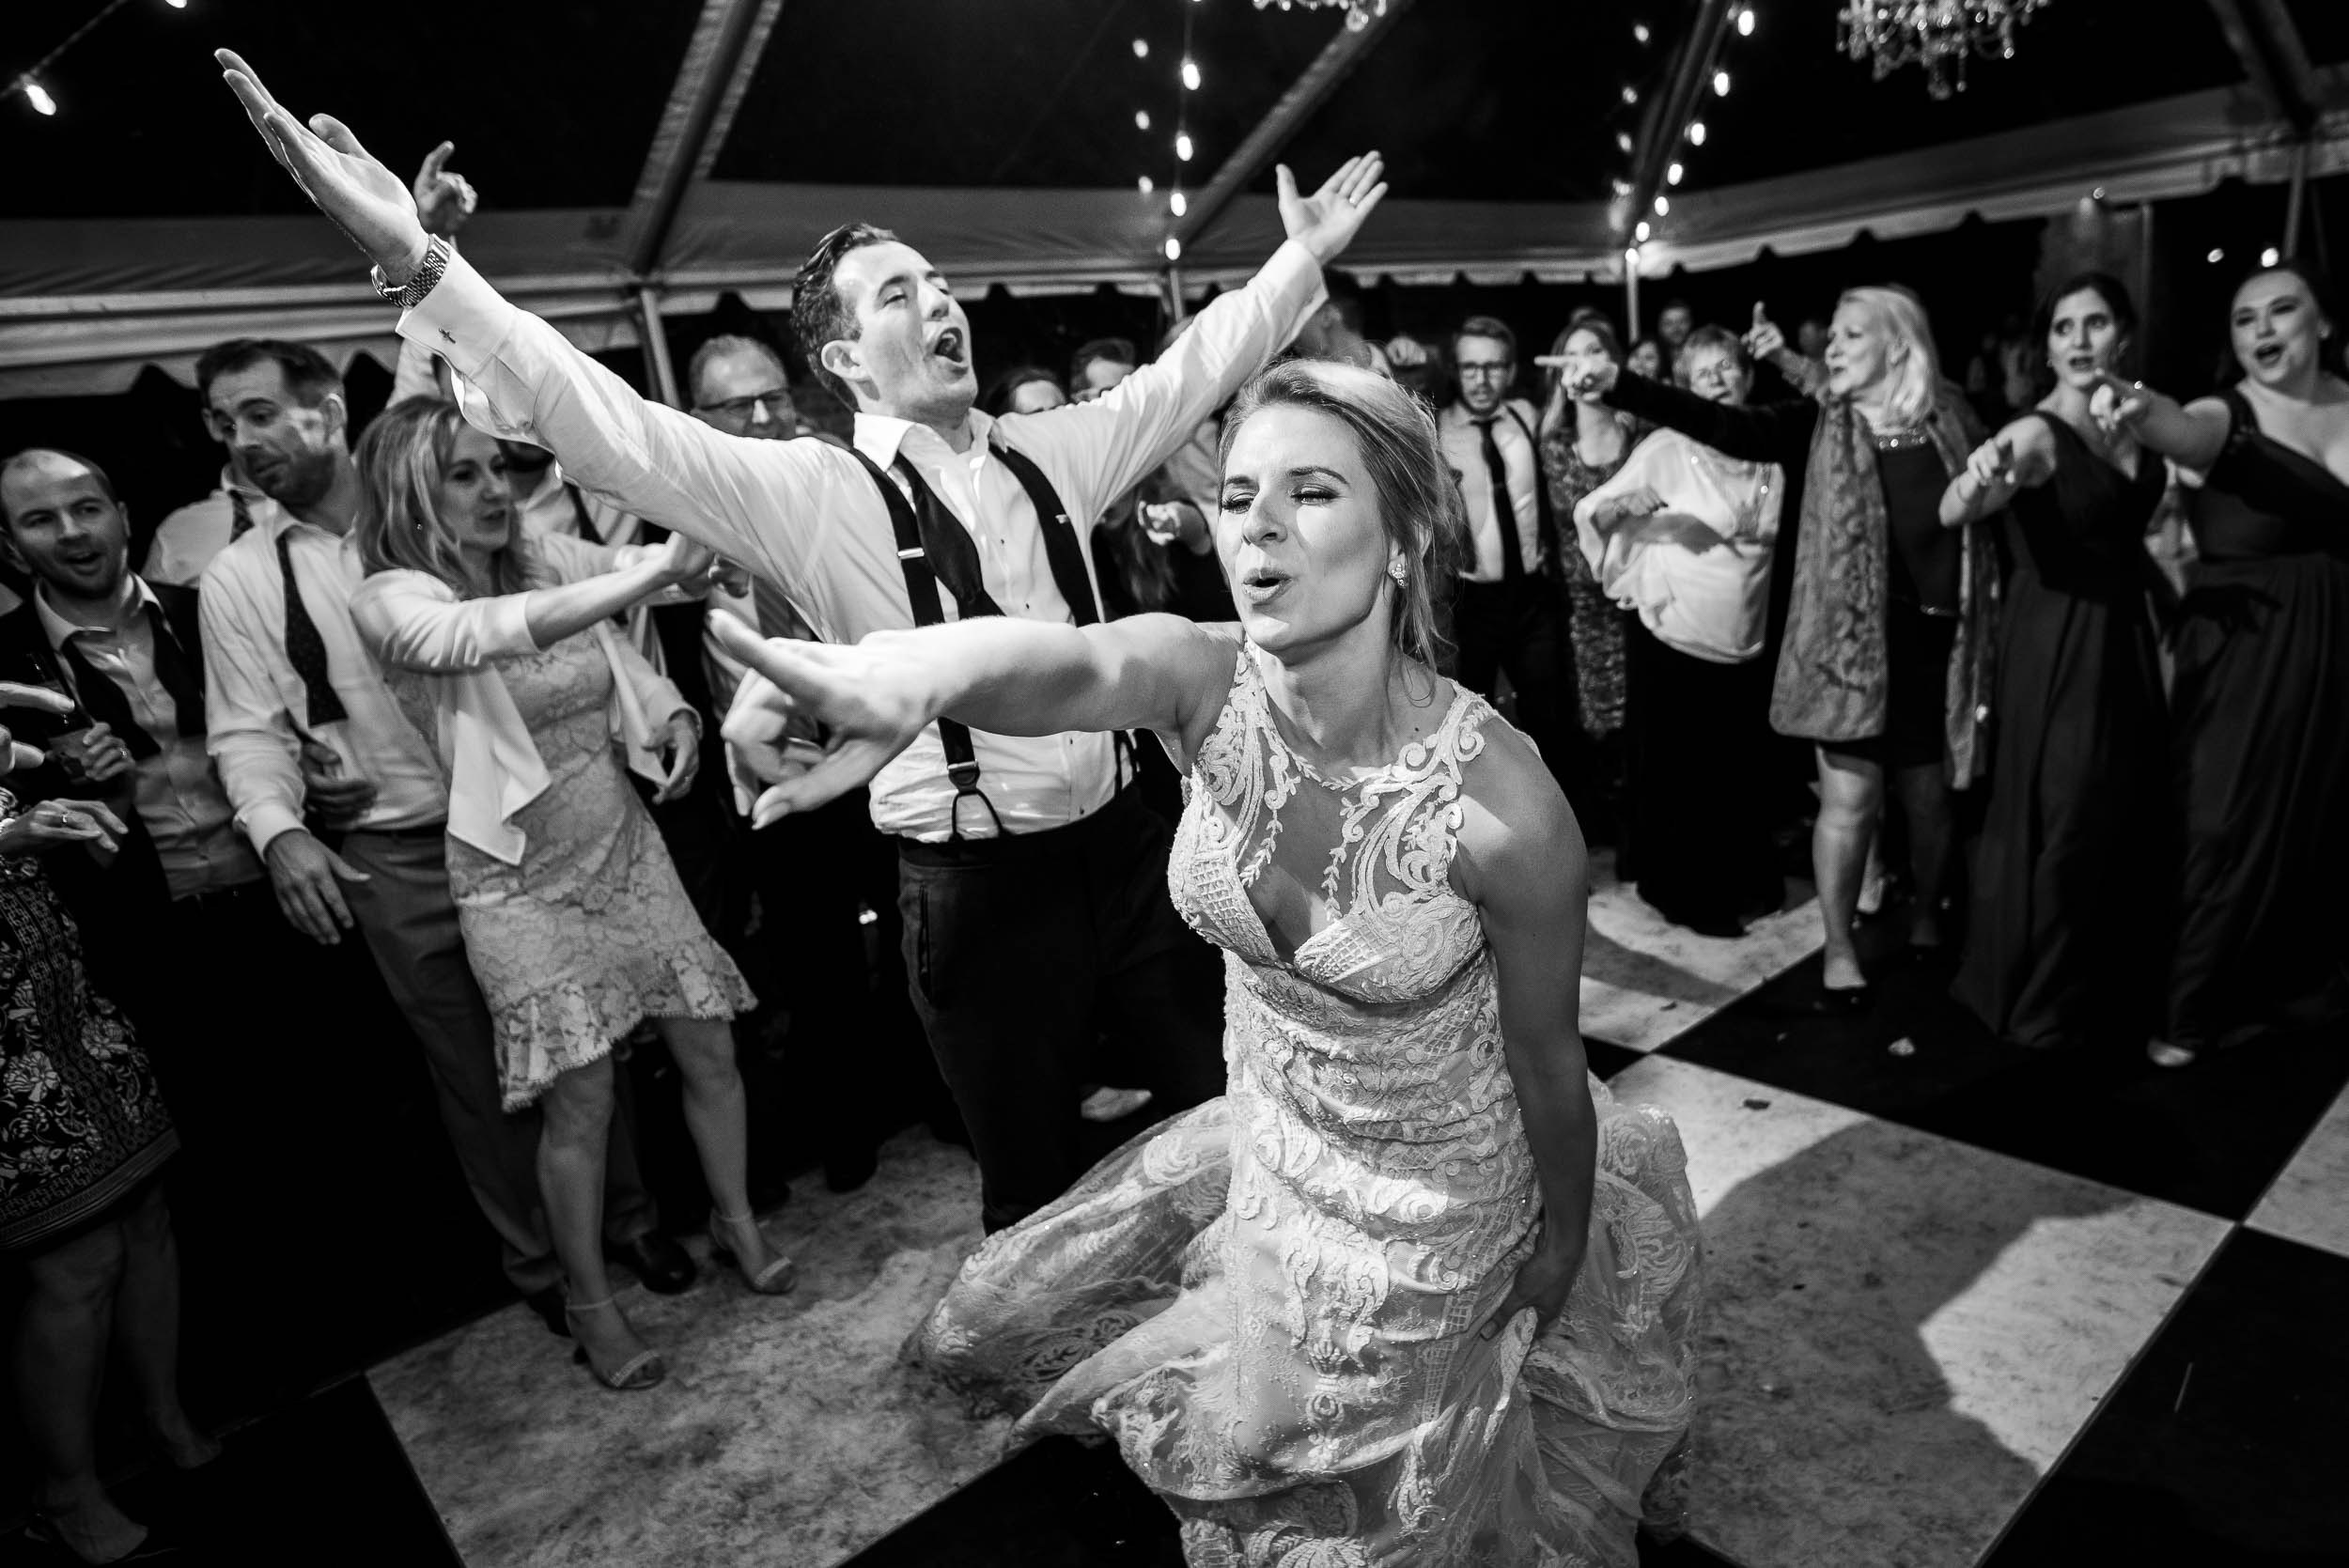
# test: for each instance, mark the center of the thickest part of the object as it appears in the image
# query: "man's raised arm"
(1111, 445)
(751, 500)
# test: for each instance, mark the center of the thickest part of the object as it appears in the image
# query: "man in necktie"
(345, 803)
(1509, 615)
(1032, 877)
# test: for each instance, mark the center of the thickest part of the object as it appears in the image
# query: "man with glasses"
(1508, 617)
(738, 386)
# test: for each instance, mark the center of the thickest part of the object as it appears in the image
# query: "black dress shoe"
(1844, 1000)
(846, 1173)
(659, 1263)
(548, 1304)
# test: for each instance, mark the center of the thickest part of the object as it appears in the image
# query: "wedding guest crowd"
(453, 701)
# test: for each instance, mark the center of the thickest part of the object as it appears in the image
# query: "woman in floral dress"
(82, 1135)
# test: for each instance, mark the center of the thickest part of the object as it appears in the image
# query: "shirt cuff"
(1295, 279)
(463, 319)
(506, 627)
(265, 821)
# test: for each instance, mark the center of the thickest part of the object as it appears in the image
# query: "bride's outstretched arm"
(1528, 873)
(995, 672)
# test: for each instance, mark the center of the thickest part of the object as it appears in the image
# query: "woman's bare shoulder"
(1515, 822)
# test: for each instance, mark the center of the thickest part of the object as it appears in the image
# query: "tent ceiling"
(1001, 137)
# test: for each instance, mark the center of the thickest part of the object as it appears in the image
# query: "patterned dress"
(592, 933)
(1594, 623)
(1272, 1302)
(81, 1121)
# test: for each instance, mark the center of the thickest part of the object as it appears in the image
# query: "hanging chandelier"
(1940, 34)
(1357, 12)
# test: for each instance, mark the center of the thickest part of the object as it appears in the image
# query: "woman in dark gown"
(2069, 872)
(2261, 699)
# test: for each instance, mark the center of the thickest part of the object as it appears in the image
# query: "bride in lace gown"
(1416, 1289)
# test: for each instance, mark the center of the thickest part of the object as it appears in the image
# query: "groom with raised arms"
(1031, 880)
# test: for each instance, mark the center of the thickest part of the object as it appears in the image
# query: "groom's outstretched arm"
(761, 503)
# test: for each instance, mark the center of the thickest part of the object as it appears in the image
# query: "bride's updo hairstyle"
(1419, 500)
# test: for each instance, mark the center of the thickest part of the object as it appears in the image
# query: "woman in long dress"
(1683, 537)
(1889, 627)
(83, 1139)
(2070, 870)
(498, 644)
(1583, 444)
(2260, 702)
(1415, 1289)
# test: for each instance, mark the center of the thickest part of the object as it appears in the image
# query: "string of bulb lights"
(29, 83)
(1186, 84)
(1743, 20)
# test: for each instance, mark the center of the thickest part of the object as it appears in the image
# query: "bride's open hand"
(1543, 1280)
(363, 198)
(872, 699)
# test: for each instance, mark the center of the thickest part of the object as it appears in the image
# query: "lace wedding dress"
(1272, 1302)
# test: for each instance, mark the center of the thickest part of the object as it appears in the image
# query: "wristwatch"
(408, 295)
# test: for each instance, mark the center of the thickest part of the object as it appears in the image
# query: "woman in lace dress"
(1415, 1289)
(500, 647)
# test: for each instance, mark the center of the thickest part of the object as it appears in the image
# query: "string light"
(1142, 120)
(1663, 206)
(1177, 204)
(1623, 187)
(2216, 257)
(1631, 95)
(1696, 133)
(1190, 76)
(1182, 147)
(1174, 249)
(28, 81)
(1642, 232)
(1631, 256)
(1744, 23)
(1720, 84)
(1141, 49)
(1639, 31)
(2269, 256)
(1623, 140)
(1672, 174)
(1145, 185)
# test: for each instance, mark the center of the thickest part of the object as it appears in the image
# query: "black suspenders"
(1062, 549)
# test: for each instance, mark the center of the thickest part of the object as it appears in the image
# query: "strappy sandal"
(641, 1370)
(776, 1278)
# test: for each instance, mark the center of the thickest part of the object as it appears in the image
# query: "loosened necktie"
(1504, 510)
(305, 650)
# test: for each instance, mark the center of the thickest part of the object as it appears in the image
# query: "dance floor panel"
(1969, 1305)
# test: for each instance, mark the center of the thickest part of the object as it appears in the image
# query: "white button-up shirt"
(1464, 448)
(255, 709)
(187, 540)
(804, 514)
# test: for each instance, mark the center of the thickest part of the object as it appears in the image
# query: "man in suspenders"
(1034, 886)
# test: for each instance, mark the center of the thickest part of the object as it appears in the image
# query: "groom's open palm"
(363, 198)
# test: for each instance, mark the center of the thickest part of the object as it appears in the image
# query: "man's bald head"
(64, 523)
(44, 465)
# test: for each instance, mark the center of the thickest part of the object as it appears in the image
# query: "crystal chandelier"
(1357, 12)
(1940, 34)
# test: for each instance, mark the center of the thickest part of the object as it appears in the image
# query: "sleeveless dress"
(2261, 737)
(592, 933)
(1271, 1301)
(82, 1123)
(2075, 858)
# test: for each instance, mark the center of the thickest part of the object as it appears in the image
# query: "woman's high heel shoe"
(776, 1278)
(640, 1371)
